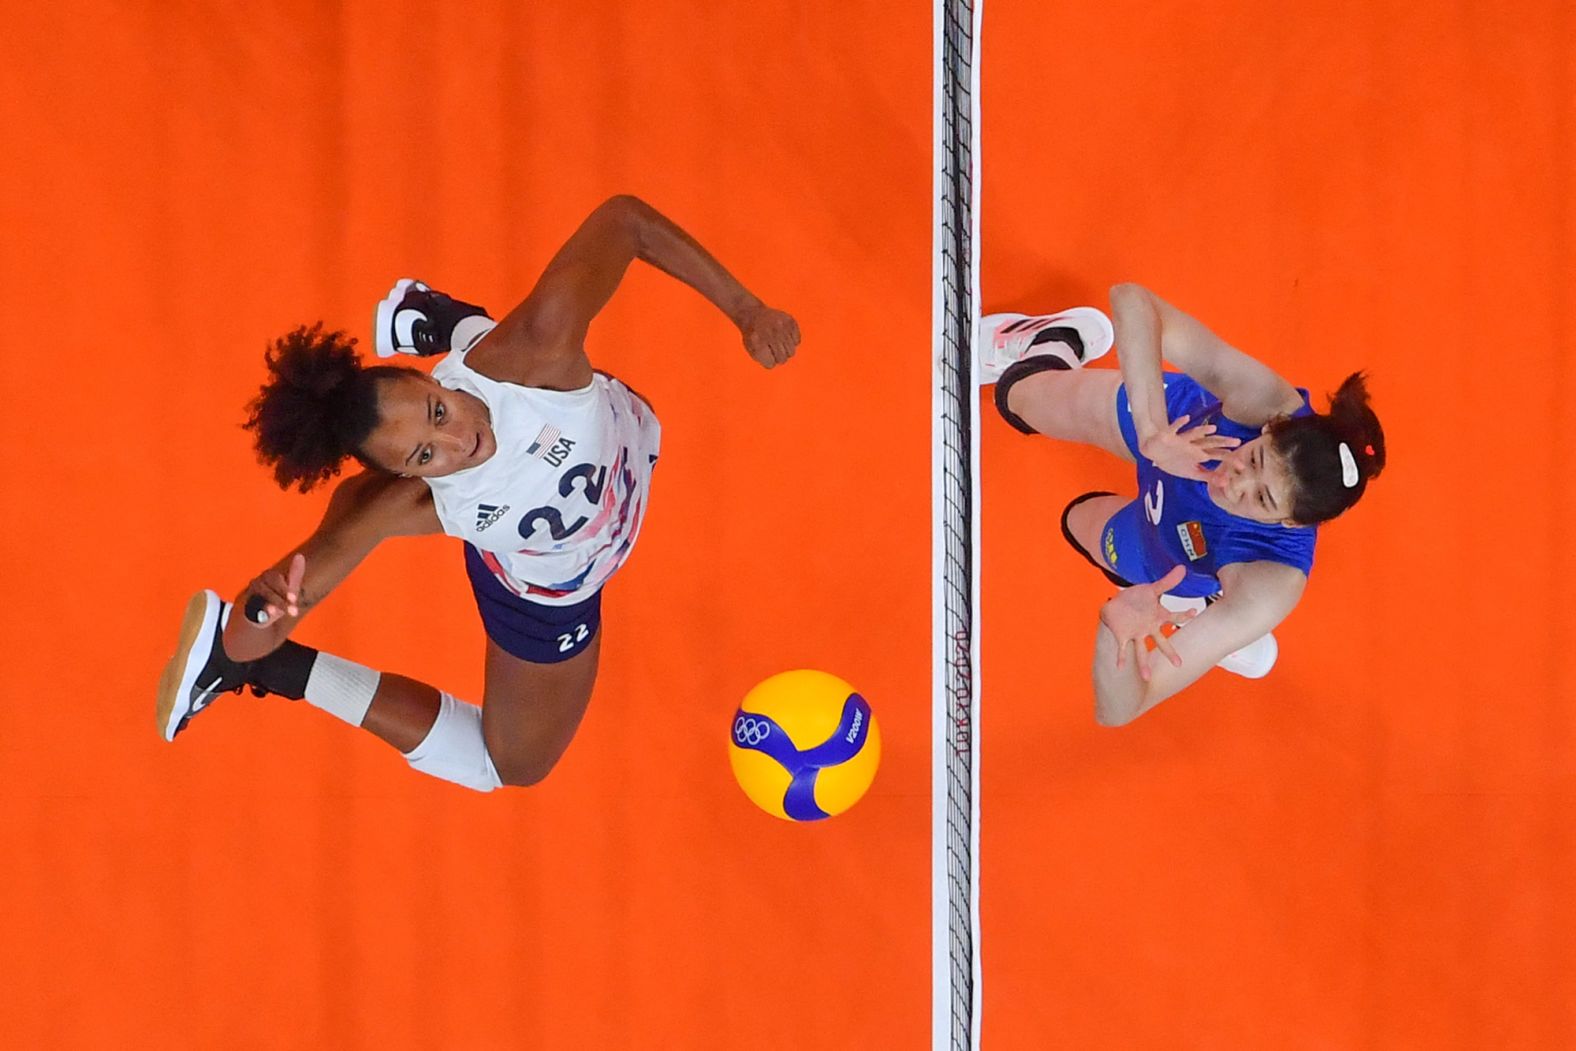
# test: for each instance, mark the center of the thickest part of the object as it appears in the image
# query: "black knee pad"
(1068, 535)
(1017, 371)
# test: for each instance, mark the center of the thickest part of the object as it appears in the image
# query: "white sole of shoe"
(180, 674)
(1178, 604)
(1093, 327)
(1253, 661)
(383, 319)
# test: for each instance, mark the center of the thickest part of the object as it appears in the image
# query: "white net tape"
(955, 992)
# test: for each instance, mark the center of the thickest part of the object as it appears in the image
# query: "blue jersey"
(1174, 522)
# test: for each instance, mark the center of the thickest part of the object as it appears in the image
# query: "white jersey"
(556, 508)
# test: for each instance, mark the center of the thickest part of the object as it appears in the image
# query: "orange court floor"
(199, 180)
(1371, 848)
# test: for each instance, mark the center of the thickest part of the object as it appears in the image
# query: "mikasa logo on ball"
(853, 731)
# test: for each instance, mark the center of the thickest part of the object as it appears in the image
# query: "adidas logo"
(487, 514)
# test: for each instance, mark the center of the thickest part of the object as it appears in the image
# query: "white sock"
(454, 749)
(469, 331)
(341, 688)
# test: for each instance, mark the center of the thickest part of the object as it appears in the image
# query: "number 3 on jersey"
(569, 640)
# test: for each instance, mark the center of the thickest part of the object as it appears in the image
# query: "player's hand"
(1183, 453)
(1136, 614)
(280, 592)
(770, 336)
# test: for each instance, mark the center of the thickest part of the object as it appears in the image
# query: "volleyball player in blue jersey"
(1235, 473)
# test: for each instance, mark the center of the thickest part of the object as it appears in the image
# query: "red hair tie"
(1369, 449)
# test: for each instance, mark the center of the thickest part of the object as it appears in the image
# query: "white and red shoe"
(1077, 336)
(1252, 661)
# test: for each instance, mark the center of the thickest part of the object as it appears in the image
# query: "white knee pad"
(454, 749)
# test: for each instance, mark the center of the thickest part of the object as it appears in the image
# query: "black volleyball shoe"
(200, 671)
(416, 319)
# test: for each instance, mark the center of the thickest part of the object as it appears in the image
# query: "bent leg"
(1084, 520)
(532, 711)
(531, 714)
(1071, 405)
(536, 704)
(402, 711)
(437, 734)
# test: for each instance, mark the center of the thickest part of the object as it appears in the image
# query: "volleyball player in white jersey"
(513, 444)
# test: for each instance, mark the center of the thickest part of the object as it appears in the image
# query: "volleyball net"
(955, 991)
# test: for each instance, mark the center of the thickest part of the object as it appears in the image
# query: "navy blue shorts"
(529, 630)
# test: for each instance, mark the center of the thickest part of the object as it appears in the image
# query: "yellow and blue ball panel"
(804, 745)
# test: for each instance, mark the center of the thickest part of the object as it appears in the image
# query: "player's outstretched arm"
(542, 341)
(364, 510)
(1128, 681)
(1150, 328)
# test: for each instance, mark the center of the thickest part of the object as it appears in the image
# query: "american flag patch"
(544, 442)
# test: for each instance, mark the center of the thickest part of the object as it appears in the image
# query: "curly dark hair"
(317, 407)
(1310, 445)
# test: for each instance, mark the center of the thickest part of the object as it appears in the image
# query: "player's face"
(1252, 481)
(425, 430)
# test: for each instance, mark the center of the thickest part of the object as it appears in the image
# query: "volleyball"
(804, 745)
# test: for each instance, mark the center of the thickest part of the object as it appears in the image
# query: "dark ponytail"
(1311, 448)
(317, 407)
